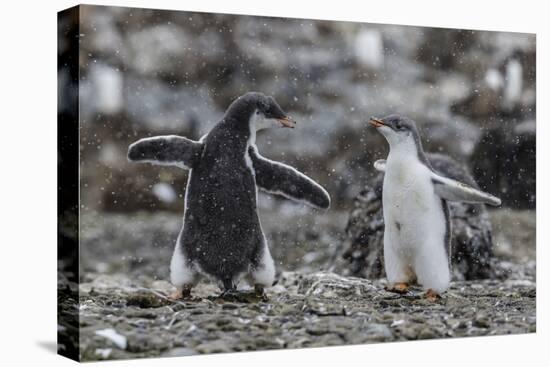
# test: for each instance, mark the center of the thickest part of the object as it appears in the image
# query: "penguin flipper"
(380, 165)
(280, 179)
(453, 190)
(168, 150)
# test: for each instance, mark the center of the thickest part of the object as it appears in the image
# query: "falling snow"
(145, 73)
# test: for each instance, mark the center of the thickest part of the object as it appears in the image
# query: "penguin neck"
(409, 151)
(240, 123)
(403, 153)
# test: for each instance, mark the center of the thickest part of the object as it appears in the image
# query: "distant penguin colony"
(416, 216)
(222, 236)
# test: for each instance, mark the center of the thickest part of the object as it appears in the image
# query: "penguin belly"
(222, 235)
(415, 227)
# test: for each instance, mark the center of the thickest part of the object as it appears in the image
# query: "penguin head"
(259, 111)
(268, 114)
(399, 131)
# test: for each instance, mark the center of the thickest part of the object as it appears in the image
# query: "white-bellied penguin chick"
(417, 227)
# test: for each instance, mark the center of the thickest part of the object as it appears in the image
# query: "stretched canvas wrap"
(234, 183)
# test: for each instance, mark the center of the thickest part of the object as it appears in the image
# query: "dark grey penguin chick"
(222, 236)
(416, 214)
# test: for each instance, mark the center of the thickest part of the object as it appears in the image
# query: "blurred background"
(150, 72)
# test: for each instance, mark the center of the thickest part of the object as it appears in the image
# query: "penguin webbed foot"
(181, 293)
(432, 295)
(176, 295)
(400, 288)
(229, 289)
(259, 290)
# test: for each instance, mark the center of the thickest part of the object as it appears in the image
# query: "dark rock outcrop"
(504, 163)
(471, 231)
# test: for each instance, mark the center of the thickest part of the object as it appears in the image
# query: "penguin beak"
(287, 122)
(376, 122)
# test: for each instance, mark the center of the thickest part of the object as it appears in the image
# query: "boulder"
(504, 163)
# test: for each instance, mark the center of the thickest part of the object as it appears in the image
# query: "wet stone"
(178, 352)
(146, 300)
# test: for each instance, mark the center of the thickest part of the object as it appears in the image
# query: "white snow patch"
(520, 282)
(154, 47)
(526, 127)
(110, 155)
(278, 289)
(494, 79)
(103, 352)
(369, 48)
(310, 257)
(112, 335)
(191, 329)
(107, 83)
(165, 192)
(397, 323)
(514, 80)
(102, 267)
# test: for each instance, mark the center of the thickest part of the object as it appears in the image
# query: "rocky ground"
(131, 318)
(124, 311)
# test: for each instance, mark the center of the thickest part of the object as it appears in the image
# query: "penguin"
(417, 227)
(222, 236)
